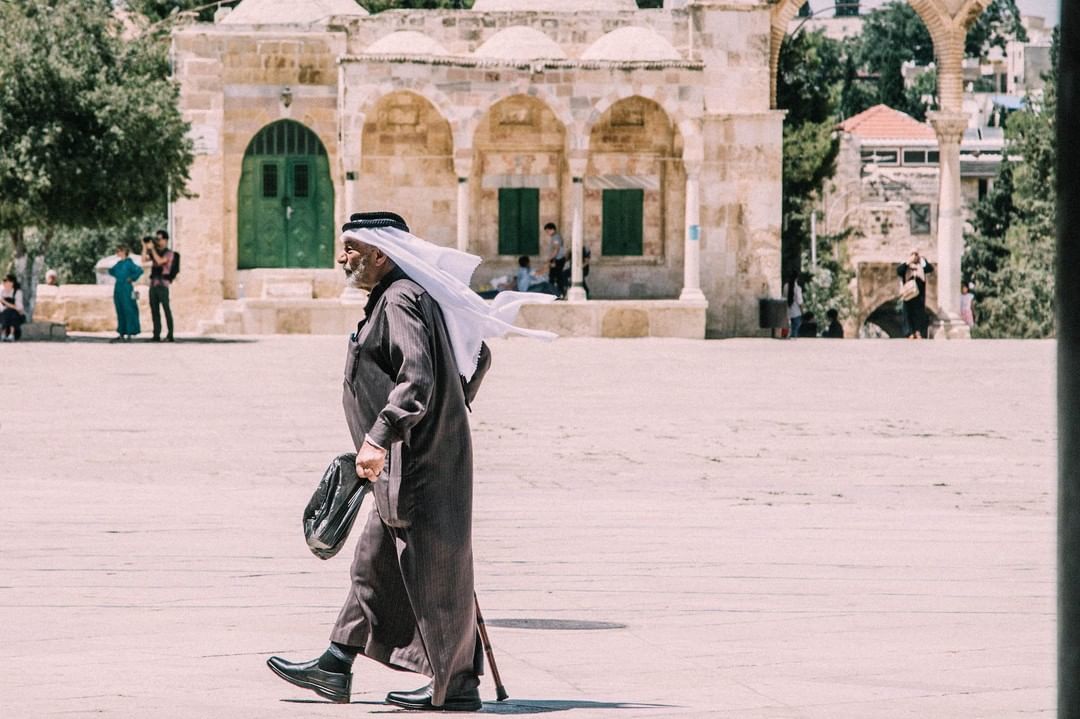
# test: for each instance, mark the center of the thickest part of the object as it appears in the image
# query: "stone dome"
(290, 12)
(554, 5)
(631, 43)
(406, 42)
(520, 43)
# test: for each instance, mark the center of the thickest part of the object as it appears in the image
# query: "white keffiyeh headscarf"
(445, 274)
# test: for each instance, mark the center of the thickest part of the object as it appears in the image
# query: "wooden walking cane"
(500, 690)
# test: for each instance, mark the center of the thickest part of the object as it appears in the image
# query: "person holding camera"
(913, 277)
(166, 265)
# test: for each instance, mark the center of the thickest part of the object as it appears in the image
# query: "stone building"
(646, 135)
(885, 194)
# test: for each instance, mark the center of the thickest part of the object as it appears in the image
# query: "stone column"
(691, 291)
(949, 127)
(576, 292)
(463, 169)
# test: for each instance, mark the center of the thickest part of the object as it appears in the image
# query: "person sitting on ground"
(834, 330)
(13, 314)
(808, 326)
(525, 280)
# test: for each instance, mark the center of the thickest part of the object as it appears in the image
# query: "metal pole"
(813, 238)
(1068, 366)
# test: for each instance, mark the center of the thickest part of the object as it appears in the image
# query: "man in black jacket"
(166, 265)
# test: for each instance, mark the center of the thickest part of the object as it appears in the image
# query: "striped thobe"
(410, 605)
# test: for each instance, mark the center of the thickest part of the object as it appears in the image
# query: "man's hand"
(369, 461)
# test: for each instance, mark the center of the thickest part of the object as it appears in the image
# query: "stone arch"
(407, 151)
(559, 107)
(946, 20)
(654, 93)
(519, 148)
(635, 190)
(425, 89)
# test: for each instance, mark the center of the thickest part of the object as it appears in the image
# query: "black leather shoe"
(329, 685)
(468, 701)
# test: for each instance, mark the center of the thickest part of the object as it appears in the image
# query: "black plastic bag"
(332, 510)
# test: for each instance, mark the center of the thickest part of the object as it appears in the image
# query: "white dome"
(631, 43)
(520, 43)
(406, 42)
(290, 12)
(555, 5)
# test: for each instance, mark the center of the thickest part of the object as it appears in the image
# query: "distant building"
(886, 191)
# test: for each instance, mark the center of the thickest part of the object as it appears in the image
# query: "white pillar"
(576, 293)
(463, 214)
(463, 169)
(949, 127)
(691, 291)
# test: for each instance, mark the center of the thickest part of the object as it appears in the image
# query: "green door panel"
(622, 222)
(519, 221)
(285, 212)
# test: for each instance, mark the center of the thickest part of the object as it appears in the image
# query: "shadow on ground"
(106, 339)
(511, 706)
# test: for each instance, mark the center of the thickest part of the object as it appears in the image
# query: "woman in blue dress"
(127, 309)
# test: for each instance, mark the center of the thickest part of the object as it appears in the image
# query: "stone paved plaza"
(749, 528)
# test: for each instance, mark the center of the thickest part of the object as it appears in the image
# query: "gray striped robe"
(410, 605)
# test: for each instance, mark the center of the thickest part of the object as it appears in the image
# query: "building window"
(984, 188)
(269, 180)
(622, 222)
(881, 157)
(519, 221)
(301, 180)
(920, 157)
(919, 215)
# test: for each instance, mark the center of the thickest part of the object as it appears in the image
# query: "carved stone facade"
(432, 113)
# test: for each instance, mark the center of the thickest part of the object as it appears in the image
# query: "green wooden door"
(286, 200)
(622, 222)
(519, 221)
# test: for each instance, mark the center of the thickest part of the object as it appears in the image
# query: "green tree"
(1010, 254)
(90, 132)
(894, 34)
(808, 87)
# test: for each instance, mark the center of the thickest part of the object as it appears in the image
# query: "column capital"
(949, 126)
(463, 162)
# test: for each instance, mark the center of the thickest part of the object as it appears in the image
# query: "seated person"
(808, 328)
(834, 330)
(528, 281)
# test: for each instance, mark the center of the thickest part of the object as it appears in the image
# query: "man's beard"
(355, 277)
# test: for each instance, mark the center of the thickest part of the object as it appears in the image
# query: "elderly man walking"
(413, 366)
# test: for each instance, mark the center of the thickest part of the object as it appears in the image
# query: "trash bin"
(772, 314)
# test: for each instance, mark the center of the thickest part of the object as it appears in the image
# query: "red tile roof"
(881, 122)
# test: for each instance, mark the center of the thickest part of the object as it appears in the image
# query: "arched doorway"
(286, 204)
(408, 153)
(635, 198)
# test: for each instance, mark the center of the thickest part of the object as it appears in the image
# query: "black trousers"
(159, 300)
(557, 276)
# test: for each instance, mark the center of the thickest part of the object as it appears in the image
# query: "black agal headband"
(375, 220)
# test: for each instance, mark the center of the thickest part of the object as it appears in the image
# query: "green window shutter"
(623, 221)
(509, 220)
(529, 230)
(519, 221)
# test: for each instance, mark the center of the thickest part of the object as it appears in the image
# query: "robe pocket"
(352, 361)
(395, 506)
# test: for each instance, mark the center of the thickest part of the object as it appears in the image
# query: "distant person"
(52, 279)
(166, 265)
(915, 270)
(586, 256)
(126, 271)
(835, 330)
(13, 314)
(967, 304)
(793, 295)
(556, 259)
(525, 280)
(808, 325)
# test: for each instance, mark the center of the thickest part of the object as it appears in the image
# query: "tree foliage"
(1009, 256)
(90, 132)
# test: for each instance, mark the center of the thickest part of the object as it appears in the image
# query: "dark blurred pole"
(1068, 333)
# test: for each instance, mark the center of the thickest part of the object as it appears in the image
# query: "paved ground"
(753, 528)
